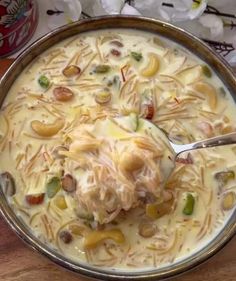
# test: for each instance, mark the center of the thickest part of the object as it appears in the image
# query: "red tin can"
(18, 21)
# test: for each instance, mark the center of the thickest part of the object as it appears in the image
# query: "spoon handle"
(211, 142)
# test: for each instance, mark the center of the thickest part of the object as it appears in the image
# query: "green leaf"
(53, 186)
(136, 56)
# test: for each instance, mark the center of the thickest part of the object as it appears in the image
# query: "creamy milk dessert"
(84, 166)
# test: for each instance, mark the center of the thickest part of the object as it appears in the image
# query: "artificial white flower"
(112, 6)
(129, 10)
(119, 7)
(172, 10)
(71, 11)
(214, 23)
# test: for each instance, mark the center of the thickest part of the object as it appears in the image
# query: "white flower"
(214, 23)
(71, 11)
(172, 10)
(129, 10)
(119, 7)
(112, 6)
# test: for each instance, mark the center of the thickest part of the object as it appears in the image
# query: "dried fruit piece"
(189, 205)
(65, 236)
(44, 81)
(103, 97)
(188, 160)
(208, 91)
(76, 229)
(115, 52)
(224, 176)
(136, 56)
(147, 229)
(92, 239)
(57, 150)
(131, 162)
(71, 70)
(53, 186)
(35, 199)
(149, 111)
(7, 183)
(47, 130)
(206, 128)
(63, 94)
(229, 200)
(60, 202)
(102, 68)
(68, 183)
(158, 210)
(117, 43)
(152, 67)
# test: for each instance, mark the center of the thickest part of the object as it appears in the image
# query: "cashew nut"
(92, 239)
(209, 91)
(47, 130)
(152, 66)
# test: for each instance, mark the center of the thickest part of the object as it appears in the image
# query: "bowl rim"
(225, 73)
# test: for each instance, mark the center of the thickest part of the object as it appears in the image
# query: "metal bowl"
(181, 37)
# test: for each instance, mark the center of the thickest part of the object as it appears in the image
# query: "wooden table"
(19, 263)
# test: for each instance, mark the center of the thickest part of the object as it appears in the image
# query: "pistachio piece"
(68, 183)
(53, 186)
(103, 97)
(44, 81)
(71, 70)
(7, 183)
(47, 130)
(62, 94)
(189, 205)
(229, 200)
(136, 56)
(102, 68)
(206, 71)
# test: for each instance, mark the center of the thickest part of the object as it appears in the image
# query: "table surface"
(19, 263)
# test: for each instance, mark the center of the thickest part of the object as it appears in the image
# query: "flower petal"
(71, 12)
(129, 10)
(112, 6)
(214, 23)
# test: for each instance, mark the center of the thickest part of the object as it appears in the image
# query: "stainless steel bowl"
(183, 38)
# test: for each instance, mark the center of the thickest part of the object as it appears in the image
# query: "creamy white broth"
(172, 95)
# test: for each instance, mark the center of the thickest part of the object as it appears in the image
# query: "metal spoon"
(211, 142)
(179, 148)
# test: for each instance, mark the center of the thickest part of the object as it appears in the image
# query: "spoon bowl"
(177, 149)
